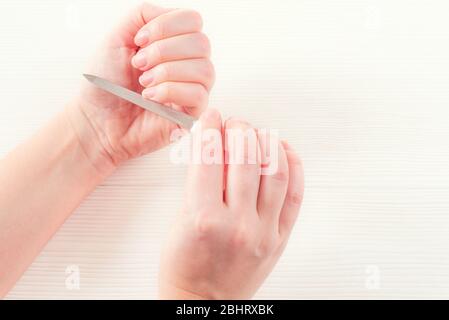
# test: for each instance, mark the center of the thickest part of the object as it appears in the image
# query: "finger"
(191, 95)
(295, 192)
(194, 70)
(243, 165)
(187, 46)
(205, 178)
(136, 19)
(167, 25)
(273, 185)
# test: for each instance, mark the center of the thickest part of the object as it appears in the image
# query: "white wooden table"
(359, 87)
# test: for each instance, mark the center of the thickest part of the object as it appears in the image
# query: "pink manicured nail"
(146, 79)
(141, 38)
(149, 93)
(139, 60)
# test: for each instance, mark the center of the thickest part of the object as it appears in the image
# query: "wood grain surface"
(360, 88)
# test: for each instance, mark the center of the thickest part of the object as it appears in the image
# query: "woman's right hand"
(225, 243)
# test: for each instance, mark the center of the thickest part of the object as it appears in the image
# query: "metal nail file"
(178, 117)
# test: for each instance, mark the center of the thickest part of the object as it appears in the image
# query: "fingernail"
(286, 145)
(210, 114)
(146, 79)
(141, 38)
(139, 60)
(239, 121)
(149, 93)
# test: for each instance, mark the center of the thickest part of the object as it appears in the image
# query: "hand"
(155, 48)
(225, 243)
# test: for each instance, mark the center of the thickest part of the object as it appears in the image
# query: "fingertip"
(286, 145)
(210, 115)
(146, 79)
(141, 38)
(139, 61)
(149, 93)
(209, 118)
(235, 122)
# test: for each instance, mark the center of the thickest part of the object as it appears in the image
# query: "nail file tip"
(88, 76)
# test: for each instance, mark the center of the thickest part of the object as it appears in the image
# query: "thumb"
(123, 34)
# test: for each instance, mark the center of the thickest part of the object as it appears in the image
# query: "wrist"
(88, 139)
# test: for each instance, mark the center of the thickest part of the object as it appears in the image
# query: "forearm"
(42, 182)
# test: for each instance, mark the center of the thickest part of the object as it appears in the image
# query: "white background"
(360, 88)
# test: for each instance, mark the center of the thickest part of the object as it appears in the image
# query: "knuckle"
(267, 246)
(157, 30)
(294, 159)
(204, 43)
(281, 175)
(156, 51)
(204, 225)
(163, 72)
(201, 96)
(239, 238)
(164, 91)
(196, 18)
(242, 144)
(294, 197)
(142, 7)
(208, 71)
